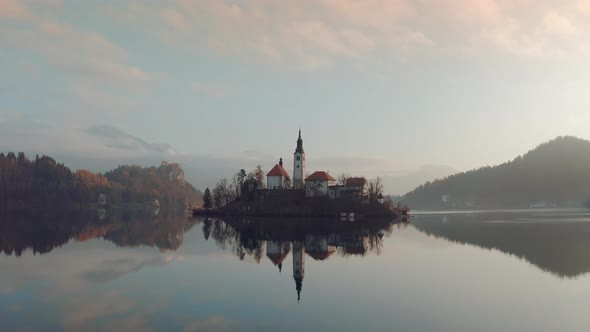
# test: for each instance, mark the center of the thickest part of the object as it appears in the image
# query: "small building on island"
(356, 188)
(278, 178)
(317, 184)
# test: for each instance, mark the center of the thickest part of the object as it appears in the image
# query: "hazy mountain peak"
(118, 139)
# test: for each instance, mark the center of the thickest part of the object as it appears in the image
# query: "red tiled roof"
(356, 182)
(320, 176)
(319, 255)
(278, 170)
(277, 258)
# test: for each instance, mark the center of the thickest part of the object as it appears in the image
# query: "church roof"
(321, 255)
(355, 182)
(278, 170)
(320, 176)
(277, 258)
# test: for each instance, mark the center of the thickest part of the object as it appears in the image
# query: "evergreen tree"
(207, 199)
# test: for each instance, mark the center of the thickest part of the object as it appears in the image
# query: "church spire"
(299, 144)
(298, 287)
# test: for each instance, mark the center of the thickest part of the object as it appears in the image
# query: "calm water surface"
(493, 271)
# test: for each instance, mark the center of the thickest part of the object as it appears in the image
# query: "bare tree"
(375, 187)
(223, 193)
(342, 178)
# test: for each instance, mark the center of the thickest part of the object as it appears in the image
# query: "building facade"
(317, 184)
(278, 178)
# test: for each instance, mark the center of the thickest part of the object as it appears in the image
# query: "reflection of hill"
(560, 247)
(43, 233)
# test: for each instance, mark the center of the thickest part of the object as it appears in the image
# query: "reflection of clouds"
(84, 309)
(211, 323)
(71, 269)
(68, 289)
(111, 269)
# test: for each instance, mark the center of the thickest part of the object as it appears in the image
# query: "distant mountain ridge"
(555, 174)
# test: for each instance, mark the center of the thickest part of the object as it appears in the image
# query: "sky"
(377, 86)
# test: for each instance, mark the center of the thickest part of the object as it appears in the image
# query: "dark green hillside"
(556, 173)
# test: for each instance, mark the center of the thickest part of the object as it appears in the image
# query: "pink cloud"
(76, 51)
(14, 9)
(314, 33)
(558, 24)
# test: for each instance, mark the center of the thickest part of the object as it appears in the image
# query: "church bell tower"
(299, 165)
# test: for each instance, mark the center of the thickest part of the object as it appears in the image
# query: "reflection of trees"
(42, 233)
(248, 238)
(242, 244)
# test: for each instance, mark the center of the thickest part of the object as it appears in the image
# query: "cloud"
(14, 9)
(98, 148)
(312, 34)
(118, 139)
(558, 24)
(72, 49)
(208, 89)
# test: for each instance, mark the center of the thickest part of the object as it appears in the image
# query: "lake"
(106, 271)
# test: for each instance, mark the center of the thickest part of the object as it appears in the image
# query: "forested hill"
(43, 183)
(555, 174)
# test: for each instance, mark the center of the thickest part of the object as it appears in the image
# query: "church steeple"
(299, 144)
(298, 266)
(298, 287)
(299, 164)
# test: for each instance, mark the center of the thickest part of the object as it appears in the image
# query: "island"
(317, 195)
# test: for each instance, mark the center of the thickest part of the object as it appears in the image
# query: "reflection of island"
(555, 243)
(248, 238)
(45, 232)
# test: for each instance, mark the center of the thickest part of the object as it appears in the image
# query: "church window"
(297, 166)
(298, 158)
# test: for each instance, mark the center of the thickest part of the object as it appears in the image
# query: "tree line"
(43, 182)
(227, 191)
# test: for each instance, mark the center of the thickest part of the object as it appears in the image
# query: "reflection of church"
(318, 247)
(251, 237)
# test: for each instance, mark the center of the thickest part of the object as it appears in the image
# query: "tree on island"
(342, 178)
(207, 199)
(375, 187)
(259, 175)
(238, 180)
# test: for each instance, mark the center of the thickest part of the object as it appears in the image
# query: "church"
(315, 185)
(318, 184)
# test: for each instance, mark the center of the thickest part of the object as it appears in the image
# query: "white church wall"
(274, 182)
